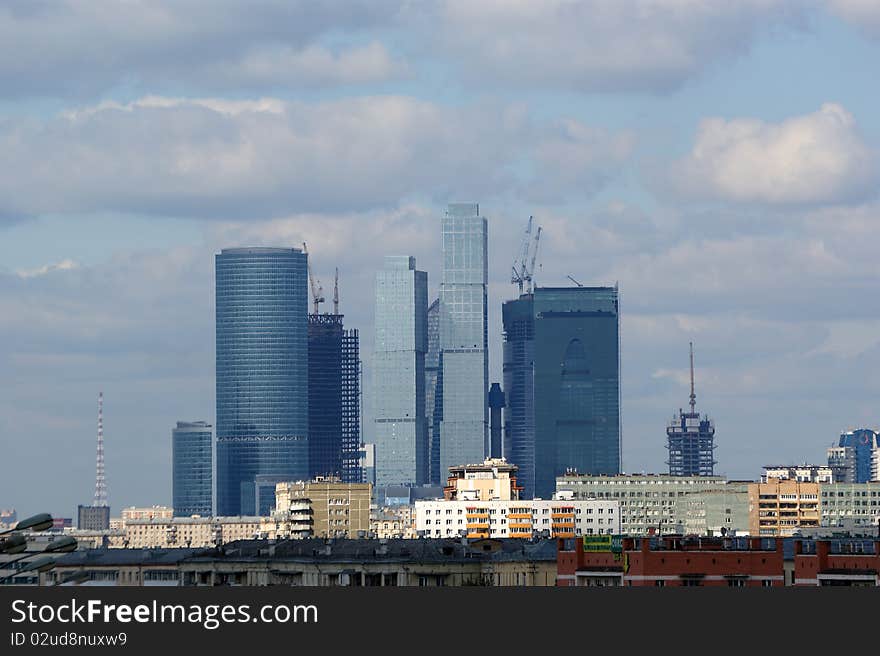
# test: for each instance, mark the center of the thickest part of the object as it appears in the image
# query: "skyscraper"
(519, 387)
(261, 373)
(690, 440)
(401, 341)
(192, 481)
(434, 393)
(334, 399)
(496, 406)
(576, 384)
(863, 441)
(463, 336)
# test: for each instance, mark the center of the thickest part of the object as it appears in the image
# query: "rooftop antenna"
(693, 395)
(100, 483)
(336, 292)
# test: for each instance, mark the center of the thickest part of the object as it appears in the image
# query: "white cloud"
(63, 265)
(600, 45)
(818, 158)
(864, 14)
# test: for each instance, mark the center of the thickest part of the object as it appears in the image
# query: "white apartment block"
(799, 473)
(190, 531)
(648, 502)
(517, 518)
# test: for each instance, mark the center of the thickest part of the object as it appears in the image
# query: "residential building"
(261, 371)
(850, 505)
(93, 518)
(864, 442)
(401, 341)
(492, 479)
(779, 507)
(189, 532)
(842, 462)
(671, 561)
(464, 336)
(802, 473)
(393, 522)
(192, 468)
(838, 562)
(649, 503)
(718, 511)
(324, 507)
(151, 512)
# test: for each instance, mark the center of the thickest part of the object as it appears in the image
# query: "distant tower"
(691, 439)
(496, 404)
(100, 483)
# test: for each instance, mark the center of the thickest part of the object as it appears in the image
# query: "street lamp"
(17, 544)
(37, 523)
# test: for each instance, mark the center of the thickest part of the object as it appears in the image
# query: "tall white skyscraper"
(463, 337)
(401, 340)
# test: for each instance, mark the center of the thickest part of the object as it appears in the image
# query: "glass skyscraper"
(192, 480)
(519, 388)
(262, 372)
(863, 441)
(401, 341)
(464, 430)
(433, 393)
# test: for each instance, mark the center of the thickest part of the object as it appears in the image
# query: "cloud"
(864, 14)
(815, 159)
(82, 48)
(265, 157)
(63, 265)
(650, 46)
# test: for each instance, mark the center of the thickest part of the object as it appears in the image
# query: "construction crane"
(317, 289)
(336, 292)
(574, 281)
(519, 273)
(531, 272)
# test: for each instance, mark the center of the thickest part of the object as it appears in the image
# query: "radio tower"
(100, 483)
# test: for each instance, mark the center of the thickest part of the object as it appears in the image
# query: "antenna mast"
(336, 292)
(693, 395)
(100, 483)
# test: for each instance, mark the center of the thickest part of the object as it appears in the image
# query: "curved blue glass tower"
(262, 372)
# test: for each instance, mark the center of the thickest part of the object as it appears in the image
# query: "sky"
(716, 160)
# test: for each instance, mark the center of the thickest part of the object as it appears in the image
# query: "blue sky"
(718, 160)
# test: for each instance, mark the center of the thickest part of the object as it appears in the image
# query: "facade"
(690, 440)
(718, 511)
(401, 341)
(842, 562)
(672, 561)
(464, 335)
(519, 380)
(192, 478)
(261, 372)
(326, 508)
(334, 398)
(93, 518)
(490, 480)
(842, 462)
(801, 473)
(649, 503)
(850, 505)
(433, 392)
(133, 512)
(392, 522)
(780, 507)
(864, 443)
(188, 532)
(576, 383)
(516, 518)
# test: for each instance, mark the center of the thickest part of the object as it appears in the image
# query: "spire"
(693, 395)
(100, 484)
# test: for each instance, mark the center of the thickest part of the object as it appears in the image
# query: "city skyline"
(720, 164)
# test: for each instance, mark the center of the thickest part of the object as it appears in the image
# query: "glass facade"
(262, 371)
(519, 380)
(863, 441)
(433, 392)
(401, 341)
(576, 383)
(192, 481)
(463, 337)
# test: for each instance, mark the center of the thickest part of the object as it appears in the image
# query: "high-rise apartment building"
(463, 336)
(779, 507)
(864, 442)
(262, 371)
(192, 480)
(433, 392)
(334, 399)
(401, 341)
(690, 439)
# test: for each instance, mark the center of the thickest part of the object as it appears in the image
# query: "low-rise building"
(781, 507)
(393, 522)
(718, 511)
(190, 532)
(840, 562)
(649, 503)
(801, 473)
(672, 561)
(324, 507)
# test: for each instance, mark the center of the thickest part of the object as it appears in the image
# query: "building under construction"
(691, 440)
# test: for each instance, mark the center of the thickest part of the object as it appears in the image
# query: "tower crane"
(518, 274)
(531, 272)
(317, 289)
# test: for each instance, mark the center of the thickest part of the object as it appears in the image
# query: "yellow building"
(494, 479)
(324, 507)
(779, 507)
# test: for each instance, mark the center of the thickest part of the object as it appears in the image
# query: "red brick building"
(673, 561)
(837, 562)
